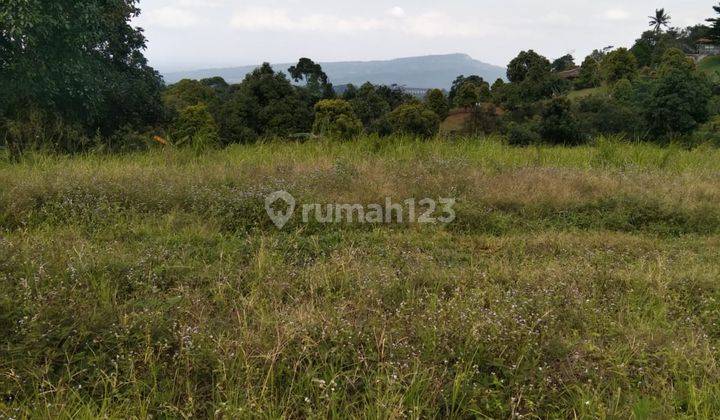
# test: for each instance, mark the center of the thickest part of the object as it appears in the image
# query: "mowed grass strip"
(575, 282)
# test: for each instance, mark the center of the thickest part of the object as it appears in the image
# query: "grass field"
(575, 282)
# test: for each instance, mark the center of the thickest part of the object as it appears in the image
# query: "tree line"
(73, 76)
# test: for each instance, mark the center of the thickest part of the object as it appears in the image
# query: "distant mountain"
(433, 71)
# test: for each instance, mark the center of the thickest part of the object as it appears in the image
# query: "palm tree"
(659, 20)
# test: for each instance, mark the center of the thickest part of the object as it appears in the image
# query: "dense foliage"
(73, 76)
(335, 118)
(73, 64)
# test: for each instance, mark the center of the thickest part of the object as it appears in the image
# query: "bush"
(484, 119)
(708, 132)
(523, 134)
(599, 115)
(195, 126)
(39, 129)
(414, 119)
(336, 118)
(558, 123)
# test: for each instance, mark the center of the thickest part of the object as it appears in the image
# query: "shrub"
(708, 132)
(523, 134)
(39, 129)
(195, 126)
(336, 118)
(414, 119)
(623, 91)
(599, 115)
(558, 123)
(484, 118)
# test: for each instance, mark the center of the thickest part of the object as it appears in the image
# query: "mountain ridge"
(430, 71)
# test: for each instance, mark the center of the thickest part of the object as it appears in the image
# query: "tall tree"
(525, 64)
(715, 27)
(660, 20)
(314, 77)
(80, 60)
(437, 102)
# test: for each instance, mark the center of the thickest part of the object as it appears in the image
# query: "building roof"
(569, 74)
(706, 41)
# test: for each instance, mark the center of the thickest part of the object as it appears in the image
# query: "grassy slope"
(575, 282)
(583, 93)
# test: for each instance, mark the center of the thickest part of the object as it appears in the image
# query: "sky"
(199, 34)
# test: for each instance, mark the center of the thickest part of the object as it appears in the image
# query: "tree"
(335, 118)
(469, 95)
(370, 104)
(195, 126)
(350, 92)
(677, 101)
(414, 119)
(314, 77)
(264, 104)
(532, 80)
(187, 93)
(589, 76)
(459, 81)
(558, 124)
(80, 60)
(497, 91)
(483, 119)
(619, 64)
(563, 63)
(437, 102)
(601, 115)
(714, 32)
(660, 20)
(525, 64)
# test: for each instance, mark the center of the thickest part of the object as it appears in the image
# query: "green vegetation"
(140, 275)
(584, 93)
(574, 282)
(711, 67)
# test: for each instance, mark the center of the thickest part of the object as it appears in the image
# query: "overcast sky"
(192, 34)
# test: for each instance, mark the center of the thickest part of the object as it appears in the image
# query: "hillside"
(434, 71)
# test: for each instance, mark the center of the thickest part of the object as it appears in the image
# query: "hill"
(433, 71)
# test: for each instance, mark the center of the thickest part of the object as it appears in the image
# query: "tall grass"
(575, 282)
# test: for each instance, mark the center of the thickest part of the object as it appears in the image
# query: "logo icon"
(280, 218)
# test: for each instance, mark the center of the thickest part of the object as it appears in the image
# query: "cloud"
(261, 18)
(436, 24)
(171, 17)
(557, 18)
(616, 14)
(397, 12)
(429, 24)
